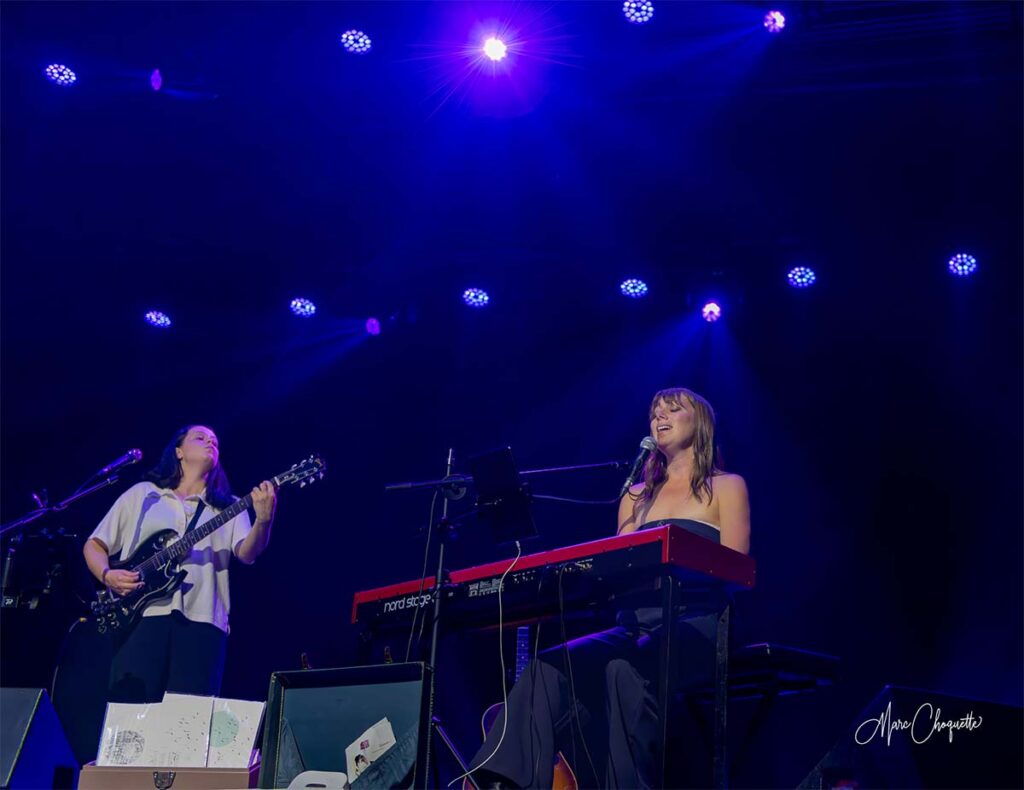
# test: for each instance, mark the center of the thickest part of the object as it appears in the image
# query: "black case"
(313, 714)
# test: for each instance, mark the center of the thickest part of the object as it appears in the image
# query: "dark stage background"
(875, 416)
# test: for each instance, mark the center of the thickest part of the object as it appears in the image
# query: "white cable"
(504, 679)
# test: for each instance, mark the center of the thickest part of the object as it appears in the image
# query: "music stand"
(503, 499)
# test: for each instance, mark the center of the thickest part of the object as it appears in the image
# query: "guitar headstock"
(304, 473)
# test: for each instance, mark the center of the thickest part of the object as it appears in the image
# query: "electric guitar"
(563, 778)
(158, 560)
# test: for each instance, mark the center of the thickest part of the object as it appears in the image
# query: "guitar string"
(173, 551)
(294, 475)
(504, 679)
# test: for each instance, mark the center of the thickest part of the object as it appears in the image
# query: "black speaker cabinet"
(33, 750)
(912, 738)
(313, 715)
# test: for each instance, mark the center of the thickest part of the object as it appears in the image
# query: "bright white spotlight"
(711, 312)
(774, 21)
(60, 75)
(356, 42)
(639, 12)
(495, 49)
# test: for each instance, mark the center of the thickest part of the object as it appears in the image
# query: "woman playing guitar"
(178, 643)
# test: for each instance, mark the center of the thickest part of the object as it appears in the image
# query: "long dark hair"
(707, 461)
(167, 473)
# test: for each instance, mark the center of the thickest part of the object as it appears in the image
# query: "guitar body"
(117, 613)
(563, 778)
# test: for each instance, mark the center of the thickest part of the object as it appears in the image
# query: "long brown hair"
(707, 461)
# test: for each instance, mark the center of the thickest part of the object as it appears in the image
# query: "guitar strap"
(195, 518)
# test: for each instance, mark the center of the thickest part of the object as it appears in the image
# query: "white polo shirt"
(145, 509)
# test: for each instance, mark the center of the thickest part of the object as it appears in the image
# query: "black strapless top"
(646, 619)
(689, 524)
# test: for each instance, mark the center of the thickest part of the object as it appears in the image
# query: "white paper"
(233, 729)
(183, 731)
(324, 779)
(369, 747)
(179, 732)
(124, 737)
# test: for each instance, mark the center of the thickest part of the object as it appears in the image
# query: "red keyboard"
(616, 569)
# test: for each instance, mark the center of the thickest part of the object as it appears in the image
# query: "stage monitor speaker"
(314, 714)
(912, 738)
(33, 750)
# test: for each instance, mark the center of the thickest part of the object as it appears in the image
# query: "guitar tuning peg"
(302, 484)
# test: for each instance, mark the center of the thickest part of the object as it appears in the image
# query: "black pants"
(167, 653)
(613, 712)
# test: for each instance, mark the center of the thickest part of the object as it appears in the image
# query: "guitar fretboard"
(184, 545)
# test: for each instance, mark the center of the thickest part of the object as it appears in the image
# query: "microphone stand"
(38, 513)
(451, 489)
(8, 599)
(460, 481)
(454, 487)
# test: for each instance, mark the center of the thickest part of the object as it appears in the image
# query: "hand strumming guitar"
(122, 582)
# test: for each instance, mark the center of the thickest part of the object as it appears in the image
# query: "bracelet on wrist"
(103, 576)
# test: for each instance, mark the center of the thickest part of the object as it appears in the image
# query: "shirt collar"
(191, 498)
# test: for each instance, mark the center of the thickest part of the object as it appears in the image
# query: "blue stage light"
(711, 312)
(495, 48)
(372, 326)
(774, 21)
(963, 265)
(638, 12)
(801, 277)
(356, 42)
(633, 288)
(303, 308)
(60, 75)
(156, 80)
(476, 297)
(158, 319)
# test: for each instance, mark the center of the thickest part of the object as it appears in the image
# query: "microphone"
(129, 458)
(647, 446)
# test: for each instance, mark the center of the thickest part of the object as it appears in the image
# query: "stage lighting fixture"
(774, 21)
(356, 42)
(156, 80)
(638, 12)
(495, 49)
(158, 319)
(372, 326)
(801, 277)
(633, 288)
(303, 308)
(963, 265)
(711, 312)
(476, 297)
(60, 75)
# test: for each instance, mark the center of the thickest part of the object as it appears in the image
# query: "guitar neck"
(301, 474)
(190, 539)
(181, 547)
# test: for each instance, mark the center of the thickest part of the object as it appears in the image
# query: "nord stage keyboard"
(622, 570)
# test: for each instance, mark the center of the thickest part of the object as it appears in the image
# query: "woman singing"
(602, 684)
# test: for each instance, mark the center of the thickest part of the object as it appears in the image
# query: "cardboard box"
(95, 777)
